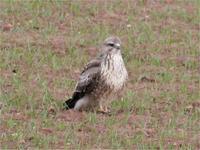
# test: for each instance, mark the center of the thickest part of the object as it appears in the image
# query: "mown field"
(44, 45)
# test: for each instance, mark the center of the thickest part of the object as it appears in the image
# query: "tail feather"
(70, 103)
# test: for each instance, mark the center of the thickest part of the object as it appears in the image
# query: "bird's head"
(112, 45)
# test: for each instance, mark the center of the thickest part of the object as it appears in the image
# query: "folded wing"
(87, 82)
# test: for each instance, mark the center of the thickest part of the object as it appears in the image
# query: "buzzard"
(102, 76)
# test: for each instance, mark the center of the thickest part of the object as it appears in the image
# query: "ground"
(44, 45)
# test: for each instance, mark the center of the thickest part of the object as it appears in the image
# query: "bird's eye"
(111, 44)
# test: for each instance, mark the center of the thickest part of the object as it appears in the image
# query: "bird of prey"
(102, 76)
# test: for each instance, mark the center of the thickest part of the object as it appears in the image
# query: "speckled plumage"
(102, 76)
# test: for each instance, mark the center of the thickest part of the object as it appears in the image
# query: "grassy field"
(44, 45)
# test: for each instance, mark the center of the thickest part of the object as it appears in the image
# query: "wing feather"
(89, 77)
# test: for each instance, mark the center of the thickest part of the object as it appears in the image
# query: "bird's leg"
(101, 109)
(106, 109)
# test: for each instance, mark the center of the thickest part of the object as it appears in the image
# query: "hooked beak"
(117, 46)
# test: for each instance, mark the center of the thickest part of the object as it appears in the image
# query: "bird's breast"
(114, 72)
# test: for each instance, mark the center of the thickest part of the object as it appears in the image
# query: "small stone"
(128, 25)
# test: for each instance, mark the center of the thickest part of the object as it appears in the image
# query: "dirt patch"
(6, 27)
(92, 51)
(58, 44)
(15, 115)
(46, 131)
(71, 116)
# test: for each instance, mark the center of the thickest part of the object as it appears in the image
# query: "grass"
(48, 43)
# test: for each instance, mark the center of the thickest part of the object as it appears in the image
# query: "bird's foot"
(104, 110)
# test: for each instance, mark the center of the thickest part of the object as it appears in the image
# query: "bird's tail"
(70, 103)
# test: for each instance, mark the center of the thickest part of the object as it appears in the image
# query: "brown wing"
(88, 79)
(89, 76)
